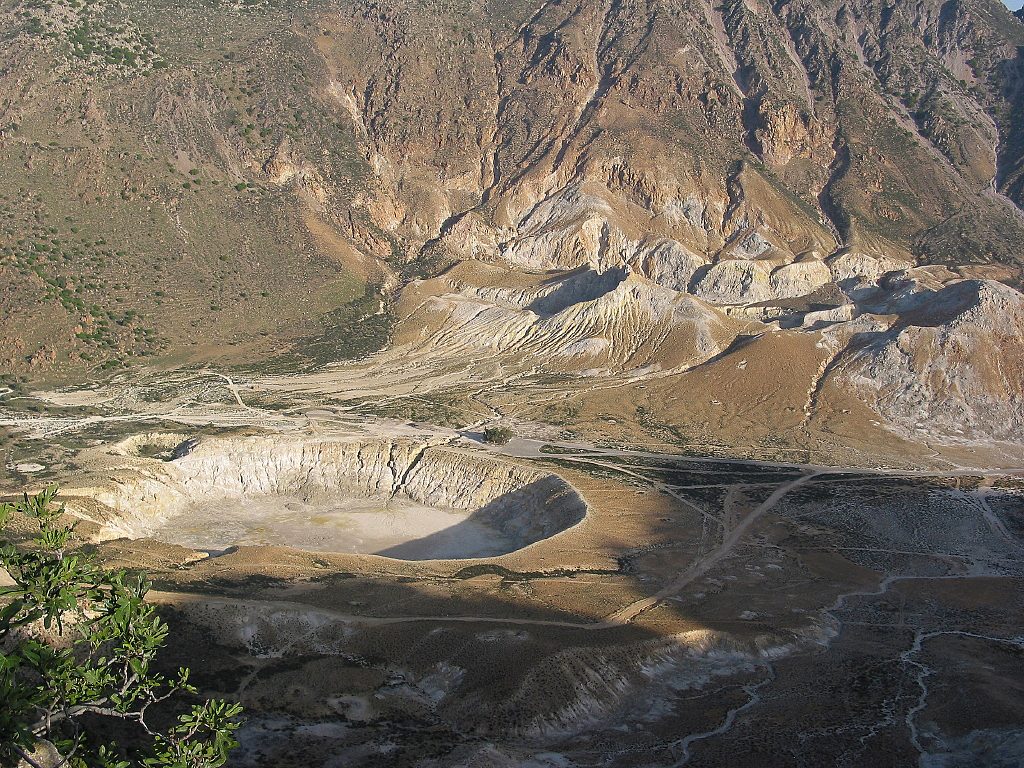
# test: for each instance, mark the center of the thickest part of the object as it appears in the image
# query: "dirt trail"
(178, 598)
(698, 569)
(620, 617)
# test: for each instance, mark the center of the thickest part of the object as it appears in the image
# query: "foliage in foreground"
(76, 648)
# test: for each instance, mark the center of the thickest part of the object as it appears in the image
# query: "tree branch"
(95, 707)
(25, 757)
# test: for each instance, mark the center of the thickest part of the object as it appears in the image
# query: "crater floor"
(396, 528)
(404, 499)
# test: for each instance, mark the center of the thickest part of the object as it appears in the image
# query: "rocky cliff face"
(736, 129)
(523, 505)
(686, 172)
(953, 364)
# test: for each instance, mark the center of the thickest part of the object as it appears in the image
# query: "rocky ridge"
(778, 156)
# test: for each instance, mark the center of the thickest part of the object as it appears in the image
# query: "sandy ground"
(343, 525)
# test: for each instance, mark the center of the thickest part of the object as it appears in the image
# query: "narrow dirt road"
(705, 564)
(620, 617)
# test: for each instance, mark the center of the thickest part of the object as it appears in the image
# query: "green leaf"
(103, 659)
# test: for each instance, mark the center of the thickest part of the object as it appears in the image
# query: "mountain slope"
(268, 184)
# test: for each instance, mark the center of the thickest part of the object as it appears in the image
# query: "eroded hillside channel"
(405, 499)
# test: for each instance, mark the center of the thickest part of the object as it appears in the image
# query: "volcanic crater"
(401, 498)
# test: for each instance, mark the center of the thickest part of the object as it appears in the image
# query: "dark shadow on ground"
(512, 521)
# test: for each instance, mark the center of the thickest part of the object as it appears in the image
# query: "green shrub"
(77, 647)
(498, 435)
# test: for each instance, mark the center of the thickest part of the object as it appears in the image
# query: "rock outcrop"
(614, 322)
(952, 366)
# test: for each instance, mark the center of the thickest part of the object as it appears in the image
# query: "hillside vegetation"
(188, 182)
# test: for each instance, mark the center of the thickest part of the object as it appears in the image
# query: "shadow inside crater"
(509, 522)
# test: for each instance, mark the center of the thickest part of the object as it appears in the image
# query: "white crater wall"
(399, 498)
